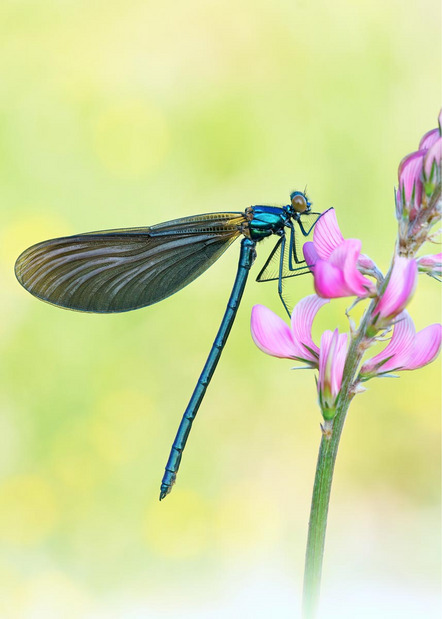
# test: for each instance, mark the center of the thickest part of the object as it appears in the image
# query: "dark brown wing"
(122, 270)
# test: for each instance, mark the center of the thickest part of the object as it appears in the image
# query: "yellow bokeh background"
(118, 114)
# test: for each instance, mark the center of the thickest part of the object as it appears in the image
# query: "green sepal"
(328, 413)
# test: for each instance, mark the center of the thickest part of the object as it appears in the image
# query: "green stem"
(331, 434)
(318, 512)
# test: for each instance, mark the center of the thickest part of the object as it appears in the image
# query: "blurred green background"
(116, 114)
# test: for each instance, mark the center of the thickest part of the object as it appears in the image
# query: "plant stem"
(318, 513)
(331, 434)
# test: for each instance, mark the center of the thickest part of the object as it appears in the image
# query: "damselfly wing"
(123, 270)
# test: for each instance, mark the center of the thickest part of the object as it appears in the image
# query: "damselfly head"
(300, 203)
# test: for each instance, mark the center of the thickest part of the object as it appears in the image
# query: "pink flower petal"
(410, 171)
(325, 345)
(433, 158)
(270, 333)
(429, 139)
(397, 351)
(302, 320)
(410, 184)
(427, 347)
(329, 281)
(327, 235)
(431, 260)
(339, 358)
(332, 356)
(399, 289)
(339, 276)
(310, 254)
(365, 262)
(348, 251)
(431, 264)
(360, 285)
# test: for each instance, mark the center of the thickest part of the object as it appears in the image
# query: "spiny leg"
(281, 270)
(293, 255)
(268, 261)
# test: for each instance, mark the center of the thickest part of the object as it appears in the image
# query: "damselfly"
(125, 269)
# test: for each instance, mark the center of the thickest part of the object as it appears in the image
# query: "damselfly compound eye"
(299, 202)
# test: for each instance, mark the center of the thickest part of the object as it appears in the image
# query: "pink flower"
(407, 350)
(327, 236)
(332, 356)
(274, 337)
(419, 173)
(398, 292)
(409, 193)
(431, 264)
(335, 262)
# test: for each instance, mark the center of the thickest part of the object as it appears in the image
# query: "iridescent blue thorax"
(267, 220)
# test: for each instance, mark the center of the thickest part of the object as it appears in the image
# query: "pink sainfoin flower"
(431, 265)
(274, 337)
(418, 174)
(407, 350)
(432, 143)
(336, 262)
(418, 201)
(332, 356)
(409, 192)
(398, 292)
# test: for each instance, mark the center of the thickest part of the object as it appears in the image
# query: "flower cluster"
(340, 270)
(418, 196)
